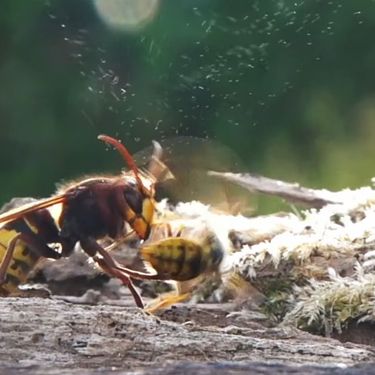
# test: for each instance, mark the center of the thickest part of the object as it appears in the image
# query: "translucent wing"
(17, 212)
(188, 160)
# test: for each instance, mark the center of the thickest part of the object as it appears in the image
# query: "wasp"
(90, 210)
(184, 256)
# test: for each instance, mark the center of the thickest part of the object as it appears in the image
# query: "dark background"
(286, 85)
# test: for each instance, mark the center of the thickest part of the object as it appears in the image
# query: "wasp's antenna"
(125, 154)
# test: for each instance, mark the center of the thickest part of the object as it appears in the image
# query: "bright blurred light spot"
(128, 15)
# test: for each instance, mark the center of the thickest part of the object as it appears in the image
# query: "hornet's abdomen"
(39, 227)
(23, 261)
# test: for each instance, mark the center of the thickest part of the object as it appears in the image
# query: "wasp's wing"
(31, 207)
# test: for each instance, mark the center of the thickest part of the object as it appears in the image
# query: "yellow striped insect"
(22, 243)
(184, 256)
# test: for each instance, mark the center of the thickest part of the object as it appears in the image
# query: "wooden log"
(44, 336)
(292, 192)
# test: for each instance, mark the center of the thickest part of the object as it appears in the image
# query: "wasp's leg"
(166, 300)
(159, 231)
(38, 247)
(182, 293)
(168, 229)
(109, 265)
(179, 232)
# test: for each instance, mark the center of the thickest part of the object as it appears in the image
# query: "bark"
(292, 192)
(45, 336)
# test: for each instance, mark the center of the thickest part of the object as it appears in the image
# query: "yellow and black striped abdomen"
(181, 259)
(23, 261)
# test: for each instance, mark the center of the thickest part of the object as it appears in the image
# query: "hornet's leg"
(109, 265)
(124, 278)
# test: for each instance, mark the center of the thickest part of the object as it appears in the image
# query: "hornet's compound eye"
(134, 199)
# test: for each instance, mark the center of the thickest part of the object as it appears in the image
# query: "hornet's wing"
(18, 212)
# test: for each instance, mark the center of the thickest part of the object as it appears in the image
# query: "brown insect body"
(92, 209)
(99, 207)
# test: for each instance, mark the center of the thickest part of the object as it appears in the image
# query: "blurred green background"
(289, 86)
